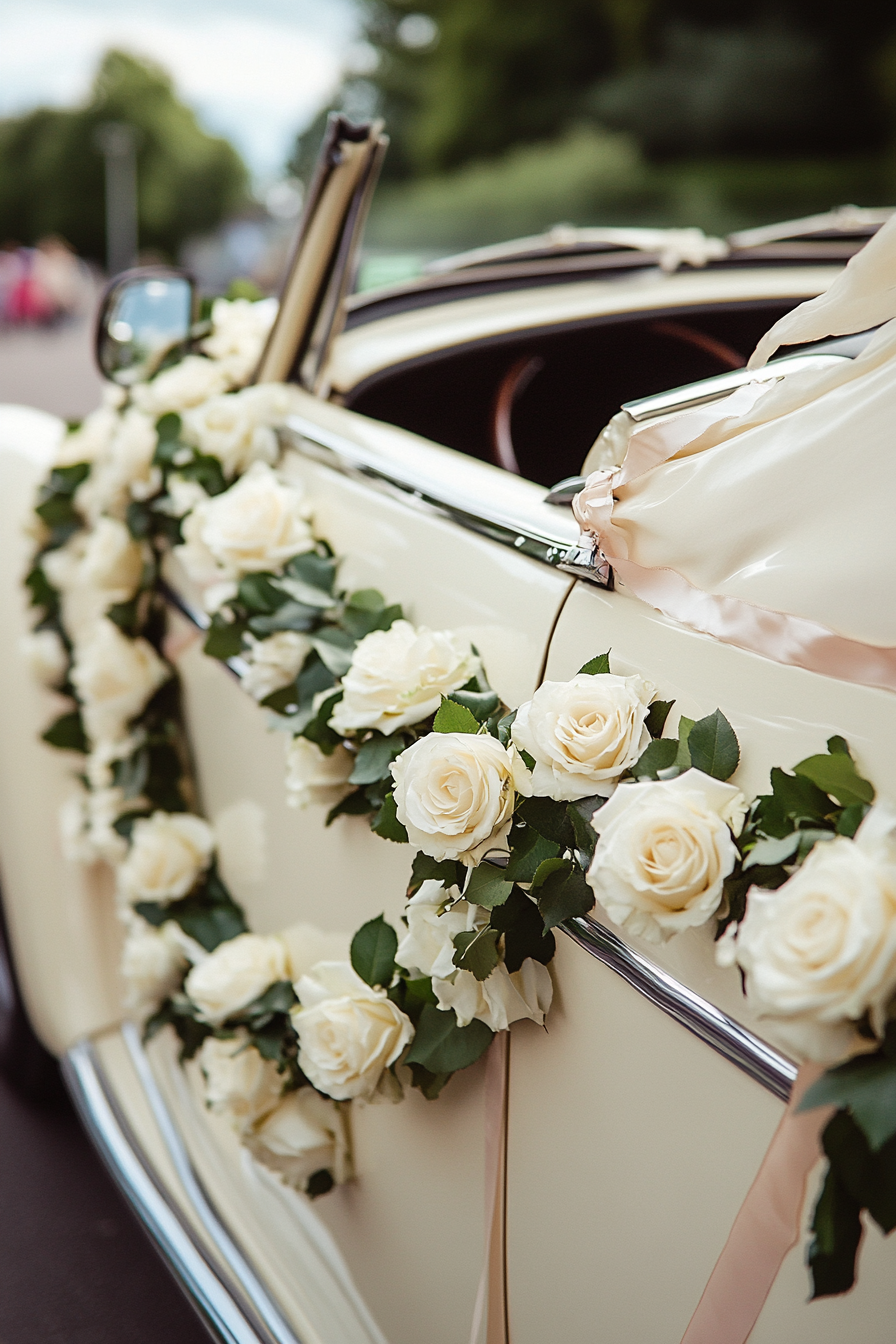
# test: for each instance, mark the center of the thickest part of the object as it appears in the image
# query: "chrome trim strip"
(712, 389)
(230, 1308)
(361, 463)
(715, 1028)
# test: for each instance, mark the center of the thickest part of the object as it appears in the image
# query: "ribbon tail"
(491, 1296)
(767, 1226)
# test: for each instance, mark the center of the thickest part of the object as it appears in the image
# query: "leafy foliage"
(373, 952)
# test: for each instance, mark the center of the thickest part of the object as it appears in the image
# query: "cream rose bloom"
(114, 677)
(239, 331)
(93, 570)
(47, 657)
(665, 848)
(186, 384)
(502, 998)
(240, 1085)
(168, 852)
(820, 952)
(584, 733)
(235, 974)
(258, 524)
(312, 777)
(348, 1032)
(90, 440)
(398, 676)
(87, 826)
(455, 793)
(152, 963)
(239, 428)
(123, 470)
(273, 662)
(435, 914)
(305, 1134)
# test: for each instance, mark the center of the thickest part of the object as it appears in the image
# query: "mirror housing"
(145, 315)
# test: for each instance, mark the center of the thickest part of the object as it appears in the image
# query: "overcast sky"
(255, 70)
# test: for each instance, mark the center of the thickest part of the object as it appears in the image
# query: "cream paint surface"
(633, 1171)
(378, 345)
(64, 933)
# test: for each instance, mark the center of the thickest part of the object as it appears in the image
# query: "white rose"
(87, 826)
(183, 495)
(93, 570)
(258, 524)
(502, 998)
(348, 1033)
(455, 793)
(235, 974)
(124, 469)
(273, 662)
(186, 384)
(238, 428)
(114, 677)
(820, 951)
(239, 331)
(435, 915)
(584, 733)
(305, 1134)
(664, 850)
(168, 852)
(90, 440)
(312, 777)
(240, 1085)
(47, 657)
(398, 676)
(151, 965)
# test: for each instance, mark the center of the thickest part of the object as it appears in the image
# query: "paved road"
(52, 369)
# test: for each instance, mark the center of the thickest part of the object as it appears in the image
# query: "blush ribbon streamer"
(766, 1228)
(491, 1297)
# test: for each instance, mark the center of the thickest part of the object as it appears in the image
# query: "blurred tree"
(51, 170)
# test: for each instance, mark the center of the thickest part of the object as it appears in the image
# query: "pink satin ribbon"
(491, 1297)
(766, 1228)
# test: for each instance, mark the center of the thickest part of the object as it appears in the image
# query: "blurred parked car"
(440, 423)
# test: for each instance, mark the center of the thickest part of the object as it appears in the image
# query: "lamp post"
(117, 142)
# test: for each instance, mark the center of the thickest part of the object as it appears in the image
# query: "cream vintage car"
(585, 1189)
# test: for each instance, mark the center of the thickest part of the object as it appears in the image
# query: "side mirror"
(146, 314)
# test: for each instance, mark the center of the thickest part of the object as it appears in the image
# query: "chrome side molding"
(713, 389)
(738, 1045)
(232, 1303)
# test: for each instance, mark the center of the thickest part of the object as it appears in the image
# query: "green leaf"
(481, 704)
(657, 715)
(562, 892)
(313, 678)
(131, 774)
(488, 886)
(504, 727)
(528, 851)
(837, 1231)
(386, 823)
(319, 1183)
(597, 666)
(373, 952)
(550, 819)
(851, 819)
(683, 756)
(209, 922)
(318, 571)
(168, 426)
(838, 744)
(837, 776)
(771, 852)
(866, 1086)
(366, 611)
(713, 746)
(659, 754)
(430, 1084)
(318, 729)
(441, 1046)
(355, 804)
(290, 615)
(43, 594)
(427, 869)
(580, 813)
(67, 733)
(258, 593)
(477, 952)
(374, 758)
(454, 718)
(139, 518)
(798, 798)
(224, 639)
(523, 929)
(277, 998)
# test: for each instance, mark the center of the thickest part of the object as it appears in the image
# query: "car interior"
(534, 402)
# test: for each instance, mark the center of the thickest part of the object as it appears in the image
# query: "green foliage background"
(52, 178)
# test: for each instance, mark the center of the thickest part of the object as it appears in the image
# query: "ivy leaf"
(477, 952)
(528, 851)
(504, 726)
(657, 715)
(67, 733)
(562, 892)
(454, 718)
(318, 571)
(523, 929)
(374, 758)
(550, 819)
(660, 754)
(209, 923)
(580, 813)
(867, 1088)
(386, 823)
(258, 593)
(683, 756)
(837, 1231)
(713, 746)
(224, 639)
(836, 775)
(318, 729)
(366, 611)
(355, 804)
(427, 869)
(488, 886)
(596, 666)
(289, 615)
(798, 798)
(481, 704)
(838, 744)
(851, 819)
(441, 1046)
(277, 998)
(373, 952)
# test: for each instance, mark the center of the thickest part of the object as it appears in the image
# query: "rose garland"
(520, 819)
